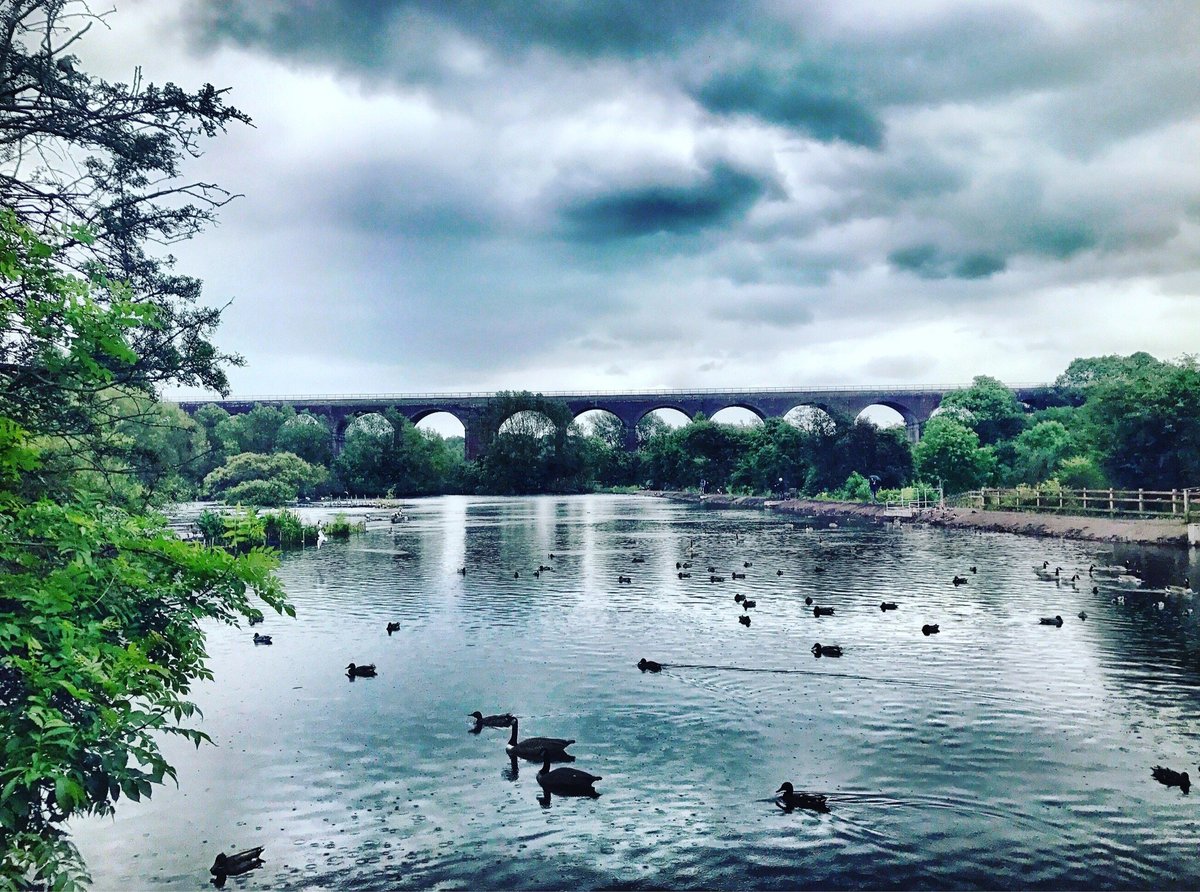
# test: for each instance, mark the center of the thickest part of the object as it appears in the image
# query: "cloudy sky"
(551, 195)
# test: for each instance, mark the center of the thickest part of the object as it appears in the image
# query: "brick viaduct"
(914, 404)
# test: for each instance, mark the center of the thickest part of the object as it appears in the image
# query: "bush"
(285, 529)
(341, 527)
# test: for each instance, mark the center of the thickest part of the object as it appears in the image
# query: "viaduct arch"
(474, 410)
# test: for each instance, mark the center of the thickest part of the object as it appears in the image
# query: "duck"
(973, 569)
(638, 560)
(683, 575)
(716, 579)
(744, 620)
(822, 611)
(256, 617)
(737, 575)
(747, 564)
(1050, 621)
(361, 671)
(887, 605)
(1185, 589)
(493, 721)
(649, 665)
(261, 639)
(1045, 574)
(930, 629)
(712, 569)
(747, 604)
(808, 600)
(826, 650)
(516, 574)
(788, 798)
(1170, 778)
(778, 572)
(462, 571)
(622, 580)
(959, 580)
(534, 748)
(818, 569)
(237, 863)
(1082, 614)
(739, 598)
(566, 781)
(393, 627)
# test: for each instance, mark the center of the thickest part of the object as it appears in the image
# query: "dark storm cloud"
(722, 195)
(930, 262)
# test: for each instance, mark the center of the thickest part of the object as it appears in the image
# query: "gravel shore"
(1140, 531)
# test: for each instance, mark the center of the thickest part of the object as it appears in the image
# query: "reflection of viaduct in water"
(914, 404)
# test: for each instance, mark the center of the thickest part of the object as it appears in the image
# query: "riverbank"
(1139, 531)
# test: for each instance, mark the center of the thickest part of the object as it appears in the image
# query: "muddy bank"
(1098, 529)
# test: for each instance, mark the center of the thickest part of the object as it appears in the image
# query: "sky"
(553, 195)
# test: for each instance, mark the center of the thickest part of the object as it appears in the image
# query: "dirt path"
(1099, 529)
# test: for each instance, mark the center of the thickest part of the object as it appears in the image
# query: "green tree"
(1040, 451)
(308, 437)
(949, 453)
(254, 431)
(269, 480)
(991, 409)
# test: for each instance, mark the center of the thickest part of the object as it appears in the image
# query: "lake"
(1000, 753)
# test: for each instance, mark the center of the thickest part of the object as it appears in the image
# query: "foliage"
(285, 529)
(1080, 472)
(1040, 451)
(341, 527)
(949, 453)
(531, 446)
(264, 479)
(394, 455)
(992, 410)
(1084, 373)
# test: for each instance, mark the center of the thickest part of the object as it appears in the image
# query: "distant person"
(874, 482)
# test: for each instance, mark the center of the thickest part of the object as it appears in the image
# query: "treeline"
(1124, 421)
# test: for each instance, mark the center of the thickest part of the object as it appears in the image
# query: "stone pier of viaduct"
(914, 405)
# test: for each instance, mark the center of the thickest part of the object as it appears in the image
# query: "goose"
(822, 611)
(888, 605)
(737, 575)
(237, 863)
(1073, 581)
(959, 580)
(930, 629)
(534, 748)
(744, 620)
(1050, 621)
(747, 604)
(361, 671)
(1129, 579)
(622, 580)
(788, 798)
(808, 600)
(1171, 778)
(493, 721)
(393, 627)
(826, 650)
(649, 665)
(1185, 589)
(566, 781)
(1045, 566)
(1114, 570)
(261, 639)
(683, 575)
(1043, 573)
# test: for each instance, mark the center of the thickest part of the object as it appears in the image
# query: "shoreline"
(1135, 531)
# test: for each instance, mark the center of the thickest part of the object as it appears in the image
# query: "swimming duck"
(621, 580)
(493, 721)
(973, 569)
(808, 601)
(778, 572)
(1082, 614)
(887, 605)
(566, 781)
(361, 671)
(716, 579)
(639, 560)
(747, 604)
(1050, 621)
(535, 748)
(256, 617)
(788, 798)
(393, 627)
(516, 574)
(747, 564)
(683, 575)
(822, 611)
(739, 598)
(237, 863)
(744, 620)
(1185, 589)
(930, 629)
(959, 580)
(712, 569)
(826, 650)
(649, 665)
(1171, 778)
(261, 639)
(818, 569)
(737, 575)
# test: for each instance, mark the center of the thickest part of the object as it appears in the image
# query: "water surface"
(997, 754)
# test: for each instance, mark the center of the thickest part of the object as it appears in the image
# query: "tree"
(1083, 373)
(245, 478)
(308, 437)
(993, 411)
(949, 453)
(1041, 450)
(103, 609)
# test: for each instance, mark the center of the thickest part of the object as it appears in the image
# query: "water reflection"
(996, 753)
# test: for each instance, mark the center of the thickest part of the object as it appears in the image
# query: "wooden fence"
(1116, 502)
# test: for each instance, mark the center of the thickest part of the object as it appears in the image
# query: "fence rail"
(1115, 502)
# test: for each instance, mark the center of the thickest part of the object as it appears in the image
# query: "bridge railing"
(575, 394)
(1176, 503)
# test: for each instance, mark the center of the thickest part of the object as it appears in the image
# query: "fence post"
(1037, 499)
(1141, 501)
(1110, 500)
(1185, 503)
(1172, 502)
(1060, 500)
(1085, 498)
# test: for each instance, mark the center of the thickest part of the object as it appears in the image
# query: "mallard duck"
(393, 627)
(744, 620)
(747, 604)
(826, 650)
(361, 671)
(930, 629)
(649, 665)
(778, 572)
(237, 863)
(1185, 589)
(255, 618)
(712, 569)
(1050, 621)
(808, 600)
(788, 798)
(959, 580)
(887, 605)
(261, 639)
(1082, 614)
(747, 564)
(822, 611)
(533, 748)
(493, 721)
(1171, 778)
(566, 781)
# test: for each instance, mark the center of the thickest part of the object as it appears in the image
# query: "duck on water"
(535, 749)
